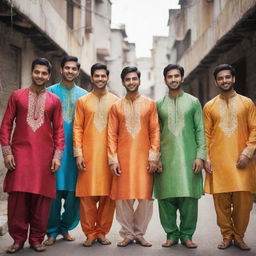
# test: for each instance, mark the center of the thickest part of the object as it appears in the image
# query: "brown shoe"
(103, 241)
(88, 242)
(189, 244)
(242, 245)
(14, 248)
(224, 244)
(38, 247)
(125, 242)
(143, 242)
(68, 237)
(50, 241)
(169, 243)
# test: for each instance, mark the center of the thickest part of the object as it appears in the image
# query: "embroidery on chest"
(101, 114)
(228, 116)
(36, 107)
(132, 117)
(68, 105)
(175, 116)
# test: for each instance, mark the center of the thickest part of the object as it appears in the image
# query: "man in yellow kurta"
(230, 124)
(133, 153)
(90, 149)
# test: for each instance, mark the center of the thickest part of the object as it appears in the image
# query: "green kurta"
(182, 141)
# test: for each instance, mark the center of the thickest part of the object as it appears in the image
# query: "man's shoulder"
(191, 97)
(80, 90)
(52, 88)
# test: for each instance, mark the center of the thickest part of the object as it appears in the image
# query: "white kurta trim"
(112, 159)
(153, 156)
(78, 152)
(58, 154)
(6, 151)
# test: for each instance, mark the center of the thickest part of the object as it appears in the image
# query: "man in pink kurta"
(31, 155)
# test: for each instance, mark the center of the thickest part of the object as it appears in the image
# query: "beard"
(227, 89)
(175, 88)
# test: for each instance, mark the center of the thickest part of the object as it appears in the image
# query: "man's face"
(225, 81)
(99, 78)
(40, 75)
(173, 79)
(69, 71)
(131, 82)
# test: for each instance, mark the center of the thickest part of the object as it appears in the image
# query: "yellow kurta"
(230, 126)
(133, 140)
(90, 141)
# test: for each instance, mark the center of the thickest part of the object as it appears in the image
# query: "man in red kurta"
(31, 155)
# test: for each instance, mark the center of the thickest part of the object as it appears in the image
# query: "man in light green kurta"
(180, 184)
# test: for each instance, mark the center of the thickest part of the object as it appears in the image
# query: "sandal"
(224, 244)
(169, 243)
(189, 244)
(50, 241)
(125, 242)
(14, 248)
(38, 247)
(143, 242)
(103, 241)
(68, 237)
(88, 242)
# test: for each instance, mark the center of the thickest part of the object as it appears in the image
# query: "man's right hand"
(9, 162)
(115, 169)
(80, 163)
(208, 166)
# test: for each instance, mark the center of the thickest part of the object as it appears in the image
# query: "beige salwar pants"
(233, 213)
(133, 223)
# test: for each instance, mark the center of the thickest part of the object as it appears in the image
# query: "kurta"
(66, 176)
(133, 141)
(182, 141)
(38, 137)
(230, 127)
(90, 141)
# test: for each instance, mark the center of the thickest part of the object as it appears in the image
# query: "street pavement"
(207, 236)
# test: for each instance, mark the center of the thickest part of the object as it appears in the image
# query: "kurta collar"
(101, 95)
(40, 93)
(61, 84)
(226, 97)
(135, 99)
(179, 95)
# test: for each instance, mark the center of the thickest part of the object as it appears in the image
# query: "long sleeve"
(251, 122)
(199, 131)
(78, 129)
(58, 131)
(208, 124)
(154, 134)
(113, 125)
(7, 126)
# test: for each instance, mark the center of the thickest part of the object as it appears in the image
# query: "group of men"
(118, 150)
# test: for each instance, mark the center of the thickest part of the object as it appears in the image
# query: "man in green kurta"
(180, 184)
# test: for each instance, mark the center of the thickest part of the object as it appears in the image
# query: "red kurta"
(38, 136)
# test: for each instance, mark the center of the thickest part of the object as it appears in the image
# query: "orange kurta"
(90, 141)
(133, 140)
(230, 125)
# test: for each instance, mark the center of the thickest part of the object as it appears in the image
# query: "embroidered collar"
(228, 96)
(177, 96)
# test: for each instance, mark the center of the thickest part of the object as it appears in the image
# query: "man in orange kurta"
(90, 149)
(230, 125)
(133, 153)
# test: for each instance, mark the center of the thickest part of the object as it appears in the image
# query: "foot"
(103, 241)
(169, 243)
(224, 244)
(14, 248)
(189, 244)
(38, 247)
(50, 241)
(143, 242)
(125, 242)
(242, 245)
(88, 242)
(68, 237)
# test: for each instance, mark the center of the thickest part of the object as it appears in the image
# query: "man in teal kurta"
(68, 92)
(180, 184)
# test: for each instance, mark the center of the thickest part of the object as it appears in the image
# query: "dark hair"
(70, 58)
(43, 62)
(222, 67)
(171, 67)
(127, 70)
(98, 66)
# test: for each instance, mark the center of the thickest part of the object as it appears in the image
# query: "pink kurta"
(37, 137)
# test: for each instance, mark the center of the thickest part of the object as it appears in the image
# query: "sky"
(143, 20)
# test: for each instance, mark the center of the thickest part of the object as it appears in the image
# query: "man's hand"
(9, 162)
(208, 166)
(55, 164)
(115, 169)
(198, 165)
(242, 161)
(159, 167)
(152, 166)
(80, 163)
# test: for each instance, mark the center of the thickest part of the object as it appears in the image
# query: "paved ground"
(207, 236)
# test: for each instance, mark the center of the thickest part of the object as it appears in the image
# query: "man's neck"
(132, 95)
(175, 93)
(67, 84)
(99, 91)
(36, 89)
(228, 93)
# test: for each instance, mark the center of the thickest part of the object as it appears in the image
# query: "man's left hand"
(198, 165)
(242, 161)
(55, 164)
(152, 166)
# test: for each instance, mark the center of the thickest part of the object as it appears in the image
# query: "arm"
(6, 131)
(78, 130)
(154, 136)
(113, 127)
(58, 136)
